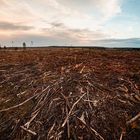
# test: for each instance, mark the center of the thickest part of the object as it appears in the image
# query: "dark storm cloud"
(13, 26)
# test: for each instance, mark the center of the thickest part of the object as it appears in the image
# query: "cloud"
(129, 42)
(42, 40)
(61, 31)
(57, 24)
(108, 8)
(80, 14)
(82, 22)
(56, 34)
(102, 8)
(2, 3)
(15, 11)
(13, 26)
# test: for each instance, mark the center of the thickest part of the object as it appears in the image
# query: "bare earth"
(69, 94)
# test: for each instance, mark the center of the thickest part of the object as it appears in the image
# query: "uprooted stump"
(76, 106)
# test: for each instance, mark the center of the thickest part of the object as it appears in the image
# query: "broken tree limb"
(133, 119)
(13, 107)
(29, 131)
(72, 110)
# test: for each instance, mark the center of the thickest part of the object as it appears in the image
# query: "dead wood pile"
(74, 105)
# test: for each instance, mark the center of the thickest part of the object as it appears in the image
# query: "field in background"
(70, 93)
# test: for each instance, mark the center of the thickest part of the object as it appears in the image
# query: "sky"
(109, 23)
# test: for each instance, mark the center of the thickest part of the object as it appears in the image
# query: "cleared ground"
(70, 93)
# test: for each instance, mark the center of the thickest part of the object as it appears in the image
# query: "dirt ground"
(69, 94)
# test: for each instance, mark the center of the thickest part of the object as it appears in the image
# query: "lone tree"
(24, 45)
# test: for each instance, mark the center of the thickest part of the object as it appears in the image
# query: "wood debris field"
(69, 94)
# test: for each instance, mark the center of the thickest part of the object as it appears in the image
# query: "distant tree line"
(5, 47)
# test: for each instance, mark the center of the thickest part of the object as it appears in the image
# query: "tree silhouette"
(24, 45)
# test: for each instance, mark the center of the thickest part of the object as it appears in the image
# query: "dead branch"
(92, 130)
(72, 110)
(13, 107)
(29, 131)
(133, 119)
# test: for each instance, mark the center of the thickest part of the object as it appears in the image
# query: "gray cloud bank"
(13, 26)
(120, 43)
